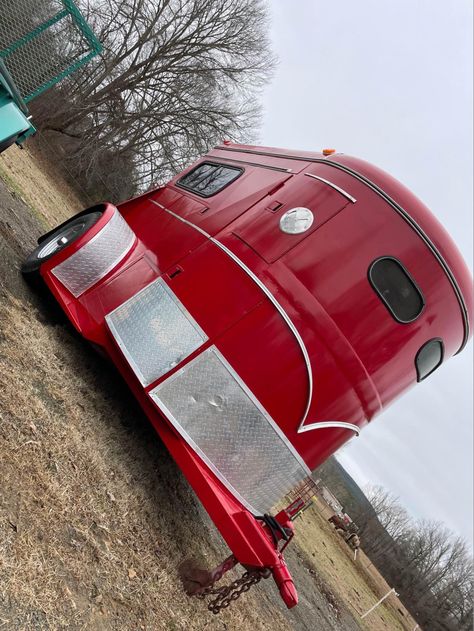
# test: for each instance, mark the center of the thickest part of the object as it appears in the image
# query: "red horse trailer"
(263, 307)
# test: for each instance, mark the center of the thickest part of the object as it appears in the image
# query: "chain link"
(228, 593)
(42, 42)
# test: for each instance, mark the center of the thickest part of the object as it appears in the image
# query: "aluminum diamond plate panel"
(221, 419)
(154, 331)
(97, 257)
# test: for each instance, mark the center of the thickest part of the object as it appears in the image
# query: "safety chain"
(228, 593)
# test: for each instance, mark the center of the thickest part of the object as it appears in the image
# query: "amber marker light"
(328, 152)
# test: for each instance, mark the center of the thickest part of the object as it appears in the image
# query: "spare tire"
(57, 241)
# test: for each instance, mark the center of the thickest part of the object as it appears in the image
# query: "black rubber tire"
(8, 142)
(74, 228)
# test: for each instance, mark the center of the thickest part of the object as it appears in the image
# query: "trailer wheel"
(55, 242)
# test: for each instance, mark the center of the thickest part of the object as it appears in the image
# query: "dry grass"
(94, 515)
(356, 583)
(41, 186)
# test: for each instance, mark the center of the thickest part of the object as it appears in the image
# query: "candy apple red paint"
(263, 307)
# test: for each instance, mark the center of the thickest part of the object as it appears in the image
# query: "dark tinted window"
(209, 178)
(396, 289)
(428, 358)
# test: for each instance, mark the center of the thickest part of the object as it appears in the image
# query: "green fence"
(42, 42)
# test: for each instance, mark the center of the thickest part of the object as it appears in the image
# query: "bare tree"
(431, 568)
(176, 77)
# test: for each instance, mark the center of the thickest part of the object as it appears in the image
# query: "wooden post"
(392, 591)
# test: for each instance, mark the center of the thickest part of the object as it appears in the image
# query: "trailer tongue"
(202, 584)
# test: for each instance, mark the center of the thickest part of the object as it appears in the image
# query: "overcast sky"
(391, 82)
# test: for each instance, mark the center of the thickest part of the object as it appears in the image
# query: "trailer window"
(208, 178)
(396, 289)
(428, 358)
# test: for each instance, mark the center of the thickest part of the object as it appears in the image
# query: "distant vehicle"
(352, 539)
(263, 307)
(343, 522)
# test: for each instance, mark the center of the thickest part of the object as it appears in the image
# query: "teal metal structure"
(15, 124)
(41, 43)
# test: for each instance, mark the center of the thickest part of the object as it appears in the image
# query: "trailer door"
(282, 220)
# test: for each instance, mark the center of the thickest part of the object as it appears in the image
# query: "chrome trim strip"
(403, 213)
(334, 186)
(269, 154)
(269, 295)
(191, 225)
(285, 317)
(328, 424)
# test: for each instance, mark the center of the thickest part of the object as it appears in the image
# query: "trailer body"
(263, 306)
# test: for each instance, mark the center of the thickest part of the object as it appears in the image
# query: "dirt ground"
(95, 517)
(362, 585)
